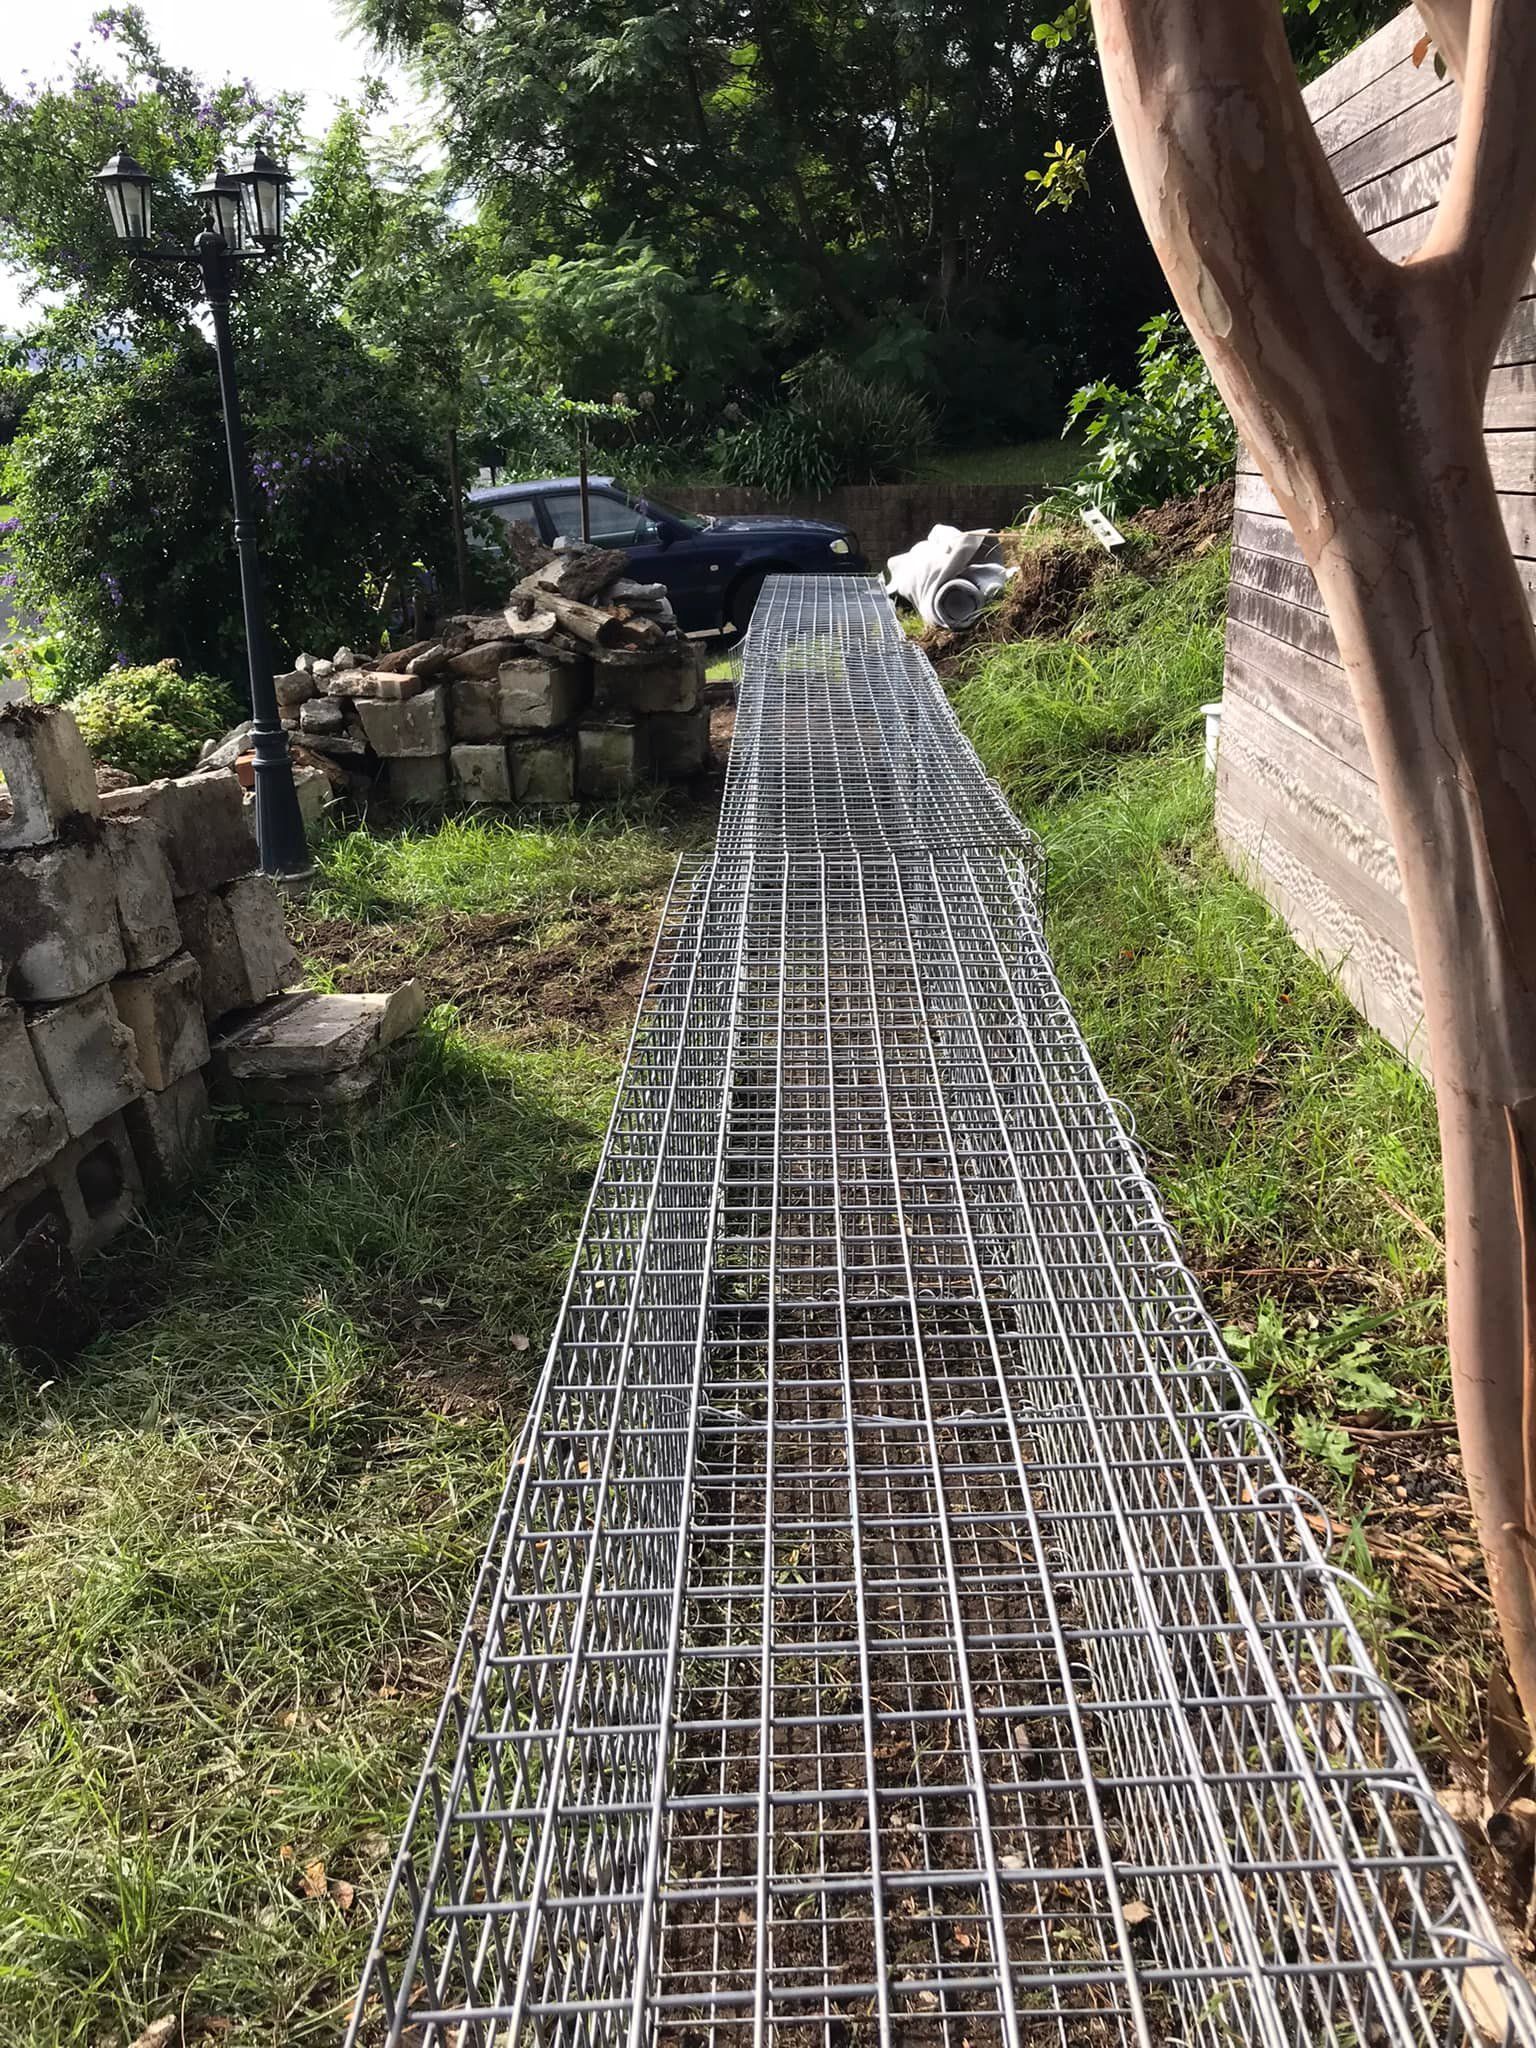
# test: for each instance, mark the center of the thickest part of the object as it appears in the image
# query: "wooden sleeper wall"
(1296, 803)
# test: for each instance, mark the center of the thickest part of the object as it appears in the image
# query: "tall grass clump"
(1052, 717)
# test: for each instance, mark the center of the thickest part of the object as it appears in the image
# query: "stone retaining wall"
(528, 731)
(138, 946)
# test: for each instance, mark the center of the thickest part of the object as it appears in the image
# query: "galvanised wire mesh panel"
(898, 1627)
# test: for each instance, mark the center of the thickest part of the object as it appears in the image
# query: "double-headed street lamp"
(244, 211)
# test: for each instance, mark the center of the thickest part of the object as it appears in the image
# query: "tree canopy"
(738, 184)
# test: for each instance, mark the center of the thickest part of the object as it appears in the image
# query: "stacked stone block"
(129, 922)
(533, 729)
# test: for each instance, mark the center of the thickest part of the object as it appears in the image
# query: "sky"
(282, 45)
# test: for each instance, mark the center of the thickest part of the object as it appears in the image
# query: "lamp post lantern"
(244, 223)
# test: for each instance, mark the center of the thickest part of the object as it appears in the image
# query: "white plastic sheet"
(949, 576)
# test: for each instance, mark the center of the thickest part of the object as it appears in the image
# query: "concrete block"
(236, 936)
(303, 1093)
(677, 744)
(86, 1057)
(315, 1034)
(32, 1127)
(48, 773)
(171, 1131)
(202, 821)
(480, 774)
(313, 789)
(384, 685)
(347, 749)
(208, 934)
(256, 911)
(648, 687)
(418, 781)
(322, 715)
(146, 908)
(226, 752)
(538, 695)
(58, 921)
(474, 709)
(163, 1008)
(609, 760)
(90, 1189)
(543, 771)
(410, 730)
(294, 689)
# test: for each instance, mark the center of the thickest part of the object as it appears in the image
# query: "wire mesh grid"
(897, 1627)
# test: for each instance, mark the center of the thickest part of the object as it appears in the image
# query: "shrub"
(1169, 438)
(118, 484)
(152, 721)
(835, 428)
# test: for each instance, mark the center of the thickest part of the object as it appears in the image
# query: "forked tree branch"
(1484, 232)
(1275, 277)
(1449, 23)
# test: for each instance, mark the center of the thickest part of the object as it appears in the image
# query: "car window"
(614, 524)
(517, 512)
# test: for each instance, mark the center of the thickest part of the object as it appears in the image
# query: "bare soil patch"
(529, 976)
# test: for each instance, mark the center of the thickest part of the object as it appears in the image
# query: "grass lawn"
(1295, 1151)
(1051, 461)
(240, 1532)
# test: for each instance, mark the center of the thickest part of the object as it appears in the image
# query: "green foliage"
(1168, 438)
(725, 197)
(1055, 718)
(1309, 1372)
(1064, 177)
(621, 318)
(152, 721)
(1285, 1137)
(118, 484)
(1063, 28)
(117, 471)
(834, 428)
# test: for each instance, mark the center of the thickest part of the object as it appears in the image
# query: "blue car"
(713, 568)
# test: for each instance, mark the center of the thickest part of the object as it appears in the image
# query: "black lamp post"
(244, 212)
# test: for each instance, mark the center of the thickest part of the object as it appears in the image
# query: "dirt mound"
(1045, 598)
(1185, 526)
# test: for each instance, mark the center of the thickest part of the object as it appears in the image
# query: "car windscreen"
(694, 521)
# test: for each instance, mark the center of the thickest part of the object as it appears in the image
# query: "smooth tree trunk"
(1358, 384)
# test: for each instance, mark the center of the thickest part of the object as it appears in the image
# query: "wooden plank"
(1383, 986)
(1368, 61)
(1369, 908)
(1512, 458)
(1517, 507)
(1519, 343)
(1331, 812)
(1398, 88)
(1404, 194)
(1414, 133)
(1266, 533)
(1278, 577)
(1330, 722)
(1307, 631)
(1511, 398)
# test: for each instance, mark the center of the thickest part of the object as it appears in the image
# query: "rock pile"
(132, 927)
(581, 688)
